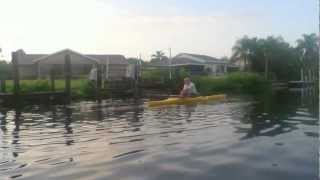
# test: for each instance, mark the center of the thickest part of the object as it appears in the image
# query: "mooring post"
(37, 67)
(67, 72)
(99, 82)
(136, 79)
(3, 85)
(16, 75)
(52, 79)
(310, 76)
(266, 65)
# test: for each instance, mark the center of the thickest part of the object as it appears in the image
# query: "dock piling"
(16, 75)
(52, 79)
(67, 71)
(99, 82)
(3, 85)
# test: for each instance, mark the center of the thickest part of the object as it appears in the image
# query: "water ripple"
(125, 140)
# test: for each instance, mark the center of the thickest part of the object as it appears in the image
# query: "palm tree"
(308, 49)
(242, 50)
(268, 48)
(158, 56)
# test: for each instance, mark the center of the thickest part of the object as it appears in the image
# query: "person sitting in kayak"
(189, 89)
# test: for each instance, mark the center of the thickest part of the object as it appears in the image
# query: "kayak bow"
(186, 100)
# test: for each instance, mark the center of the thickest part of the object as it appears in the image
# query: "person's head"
(187, 80)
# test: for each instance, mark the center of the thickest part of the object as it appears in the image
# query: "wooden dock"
(123, 87)
(300, 84)
(38, 96)
(279, 85)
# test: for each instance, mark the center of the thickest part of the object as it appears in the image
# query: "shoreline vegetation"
(239, 82)
(80, 88)
(263, 61)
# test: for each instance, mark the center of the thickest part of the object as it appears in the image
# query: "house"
(134, 68)
(241, 63)
(114, 67)
(196, 64)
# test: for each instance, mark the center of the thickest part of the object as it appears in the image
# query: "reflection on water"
(238, 139)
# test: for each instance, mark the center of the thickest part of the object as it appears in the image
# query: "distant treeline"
(284, 61)
(272, 57)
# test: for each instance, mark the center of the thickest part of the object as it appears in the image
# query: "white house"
(197, 64)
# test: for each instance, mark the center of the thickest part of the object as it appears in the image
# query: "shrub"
(160, 78)
(238, 82)
(235, 82)
(34, 86)
(87, 89)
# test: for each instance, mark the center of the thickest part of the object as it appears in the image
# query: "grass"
(240, 82)
(79, 87)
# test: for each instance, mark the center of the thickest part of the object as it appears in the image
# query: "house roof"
(189, 59)
(59, 58)
(186, 58)
(76, 57)
(109, 58)
(28, 58)
(161, 63)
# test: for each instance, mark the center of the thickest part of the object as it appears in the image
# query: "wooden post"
(67, 73)
(136, 79)
(99, 82)
(310, 75)
(301, 74)
(266, 66)
(52, 79)
(170, 62)
(3, 85)
(245, 63)
(37, 68)
(16, 75)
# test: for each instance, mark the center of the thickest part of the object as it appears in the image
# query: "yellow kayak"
(186, 100)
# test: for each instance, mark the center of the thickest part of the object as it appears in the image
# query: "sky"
(133, 27)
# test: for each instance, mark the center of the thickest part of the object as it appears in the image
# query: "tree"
(271, 56)
(243, 50)
(308, 50)
(279, 58)
(159, 56)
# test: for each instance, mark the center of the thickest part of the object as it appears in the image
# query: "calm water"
(275, 138)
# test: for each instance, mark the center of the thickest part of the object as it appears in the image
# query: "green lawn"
(79, 87)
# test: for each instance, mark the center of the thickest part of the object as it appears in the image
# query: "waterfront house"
(196, 64)
(114, 67)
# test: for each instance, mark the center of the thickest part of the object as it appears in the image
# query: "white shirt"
(190, 89)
